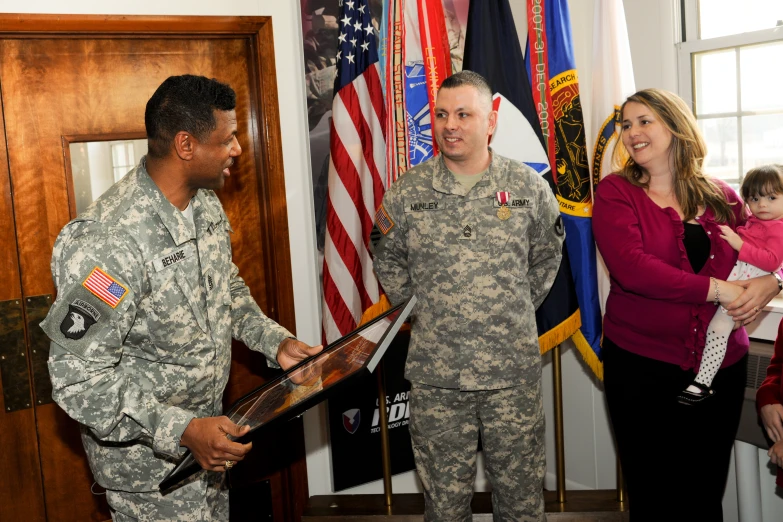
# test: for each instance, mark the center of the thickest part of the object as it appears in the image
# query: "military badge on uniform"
(80, 317)
(559, 227)
(503, 212)
(105, 287)
(468, 233)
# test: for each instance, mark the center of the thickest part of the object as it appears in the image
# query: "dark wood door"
(88, 79)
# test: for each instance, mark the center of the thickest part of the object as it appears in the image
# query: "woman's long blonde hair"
(692, 187)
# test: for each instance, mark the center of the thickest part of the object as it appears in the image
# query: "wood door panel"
(67, 479)
(22, 497)
(67, 85)
(107, 95)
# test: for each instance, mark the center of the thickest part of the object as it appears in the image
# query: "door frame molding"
(265, 113)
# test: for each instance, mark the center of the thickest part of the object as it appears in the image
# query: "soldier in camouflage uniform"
(477, 238)
(148, 301)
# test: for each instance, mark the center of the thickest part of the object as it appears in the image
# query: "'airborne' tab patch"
(383, 220)
(80, 317)
(105, 287)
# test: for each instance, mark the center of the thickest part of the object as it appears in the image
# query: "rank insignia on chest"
(502, 197)
(468, 233)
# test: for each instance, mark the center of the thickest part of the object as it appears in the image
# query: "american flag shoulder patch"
(105, 287)
(383, 220)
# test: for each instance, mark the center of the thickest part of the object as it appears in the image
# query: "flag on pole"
(383, 43)
(358, 178)
(417, 106)
(394, 89)
(435, 47)
(555, 84)
(612, 84)
(492, 49)
(417, 61)
(514, 137)
(356, 173)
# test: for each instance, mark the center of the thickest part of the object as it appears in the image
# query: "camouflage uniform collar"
(444, 181)
(177, 225)
(205, 214)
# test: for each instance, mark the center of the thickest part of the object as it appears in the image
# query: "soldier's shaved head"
(474, 80)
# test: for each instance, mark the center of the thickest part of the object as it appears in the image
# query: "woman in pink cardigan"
(657, 225)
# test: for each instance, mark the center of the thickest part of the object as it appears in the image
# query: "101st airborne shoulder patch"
(383, 221)
(105, 287)
(80, 317)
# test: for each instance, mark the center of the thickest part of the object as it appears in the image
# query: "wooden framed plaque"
(309, 382)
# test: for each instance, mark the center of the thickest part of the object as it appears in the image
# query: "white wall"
(652, 32)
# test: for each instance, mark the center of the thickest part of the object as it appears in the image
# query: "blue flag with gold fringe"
(555, 86)
(492, 49)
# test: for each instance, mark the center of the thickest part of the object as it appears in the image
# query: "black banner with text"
(354, 423)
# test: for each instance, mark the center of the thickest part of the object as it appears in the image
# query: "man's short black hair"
(185, 103)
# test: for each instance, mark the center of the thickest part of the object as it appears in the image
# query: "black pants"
(675, 458)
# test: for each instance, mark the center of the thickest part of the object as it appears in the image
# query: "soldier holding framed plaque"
(309, 382)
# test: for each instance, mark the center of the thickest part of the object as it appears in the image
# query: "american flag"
(356, 186)
(105, 287)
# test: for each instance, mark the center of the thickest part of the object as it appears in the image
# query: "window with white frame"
(122, 158)
(731, 70)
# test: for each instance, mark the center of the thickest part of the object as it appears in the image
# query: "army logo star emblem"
(76, 323)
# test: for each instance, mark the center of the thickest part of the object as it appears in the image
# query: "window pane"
(725, 17)
(762, 140)
(122, 153)
(94, 166)
(119, 173)
(722, 151)
(716, 82)
(760, 76)
(116, 154)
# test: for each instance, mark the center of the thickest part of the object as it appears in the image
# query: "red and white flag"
(435, 50)
(356, 174)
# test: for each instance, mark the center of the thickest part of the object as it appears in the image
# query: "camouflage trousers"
(444, 428)
(202, 500)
